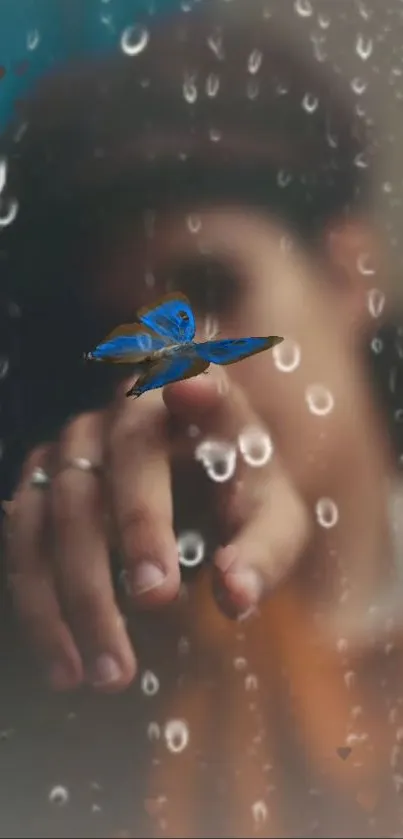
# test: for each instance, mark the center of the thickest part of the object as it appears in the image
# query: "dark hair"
(115, 136)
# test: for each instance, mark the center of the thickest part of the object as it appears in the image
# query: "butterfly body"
(162, 349)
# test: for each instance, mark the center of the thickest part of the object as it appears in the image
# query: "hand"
(59, 537)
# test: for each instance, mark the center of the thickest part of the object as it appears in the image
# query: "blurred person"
(215, 159)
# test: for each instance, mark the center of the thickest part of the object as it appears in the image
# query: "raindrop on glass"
(359, 85)
(255, 446)
(377, 346)
(153, 731)
(176, 733)
(59, 795)
(191, 549)
(190, 89)
(218, 458)
(259, 812)
(212, 85)
(287, 356)
(8, 214)
(194, 224)
(310, 103)
(376, 302)
(283, 178)
(349, 678)
(33, 39)
(251, 682)
(303, 8)
(3, 173)
(252, 89)
(327, 514)
(216, 45)
(319, 399)
(324, 21)
(150, 684)
(215, 135)
(364, 265)
(360, 161)
(134, 40)
(255, 62)
(364, 46)
(4, 367)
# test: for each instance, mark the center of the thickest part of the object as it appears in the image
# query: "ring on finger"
(83, 464)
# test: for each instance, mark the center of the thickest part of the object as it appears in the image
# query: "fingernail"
(246, 583)
(105, 671)
(61, 677)
(146, 577)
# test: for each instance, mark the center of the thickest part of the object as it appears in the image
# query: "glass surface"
(202, 595)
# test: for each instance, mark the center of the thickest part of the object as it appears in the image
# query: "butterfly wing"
(167, 370)
(172, 318)
(128, 344)
(228, 351)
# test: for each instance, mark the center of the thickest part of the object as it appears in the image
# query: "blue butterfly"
(162, 347)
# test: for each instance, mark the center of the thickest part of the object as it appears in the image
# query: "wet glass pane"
(201, 415)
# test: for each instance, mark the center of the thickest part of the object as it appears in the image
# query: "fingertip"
(199, 393)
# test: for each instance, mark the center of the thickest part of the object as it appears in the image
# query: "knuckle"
(73, 493)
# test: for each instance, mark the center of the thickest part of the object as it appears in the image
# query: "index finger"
(140, 485)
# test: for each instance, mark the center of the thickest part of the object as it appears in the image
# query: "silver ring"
(83, 464)
(39, 478)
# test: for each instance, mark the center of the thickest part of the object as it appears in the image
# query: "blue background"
(67, 29)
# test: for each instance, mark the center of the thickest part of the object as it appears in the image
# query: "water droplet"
(359, 85)
(349, 678)
(8, 214)
(364, 46)
(376, 302)
(287, 356)
(33, 38)
(3, 173)
(283, 178)
(153, 731)
(303, 8)
(191, 549)
(377, 346)
(218, 458)
(310, 103)
(252, 89)
(190, 89)
(319, 399)
(59, 795)
(4, 367)
(215, 135)
(260, 812)
(212, 84)
(194, 224)
(176, 734)
(360, 160)
(255, 62)
(134, 40)
(216, 45)
(150, 684)
(256, 446)
(327, 514)
(364, 265)
(251, 682)
(324, 21)
(240, 663)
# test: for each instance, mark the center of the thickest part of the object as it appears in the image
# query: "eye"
(209, 285)
(183, 316)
